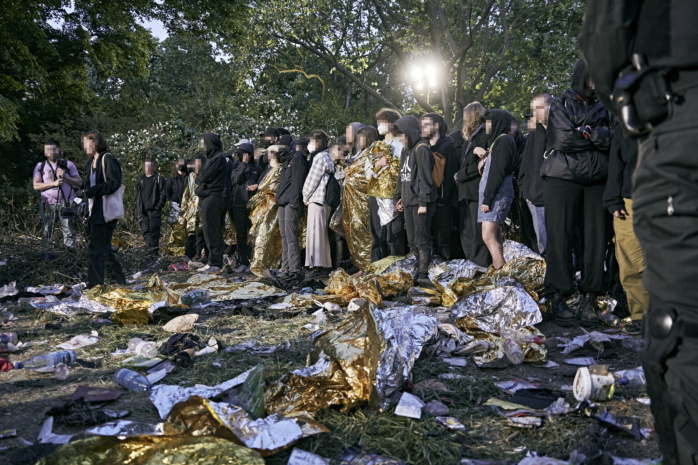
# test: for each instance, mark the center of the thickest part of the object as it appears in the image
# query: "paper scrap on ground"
(80, 341)
(410, 406)
(580, 361)
(301, 457)
(46, 435)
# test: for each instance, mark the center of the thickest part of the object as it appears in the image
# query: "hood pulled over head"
(580, 80)
(500, 124)
(212, 143)
(411, 128)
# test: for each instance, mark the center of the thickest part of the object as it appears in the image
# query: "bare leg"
(493, 239)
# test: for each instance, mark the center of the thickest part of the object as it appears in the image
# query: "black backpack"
(332, 193)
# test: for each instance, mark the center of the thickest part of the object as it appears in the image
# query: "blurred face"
(202, 144)
(540, 111)
(384, 127)
(531, 124)
(197, 165)
(349, 134)
(50, 151)
(273, 158)
(488, 126)
(270, 140)
(514, 128)
(89, 146)
(181, 166)
(363, 142)
(429, 128)
(312, 146)
(403, 139)
(148, 168)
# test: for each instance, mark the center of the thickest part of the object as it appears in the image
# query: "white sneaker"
(203, 269)
(212, 269)
(193, 265)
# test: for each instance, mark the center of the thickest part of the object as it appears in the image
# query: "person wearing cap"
(289, 198)
(244, 178)
(270, 136)
(302, 147)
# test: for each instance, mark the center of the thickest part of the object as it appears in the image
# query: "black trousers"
(102, 256)
(241, 220)
(471, 234)
(150, 223)
(290, 248)
(385, 240)
(665, 204)
(441, 230)
(419, 236)
(212, 209)
(564, 201)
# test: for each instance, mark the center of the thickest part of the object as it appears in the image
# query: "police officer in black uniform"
(648, 76)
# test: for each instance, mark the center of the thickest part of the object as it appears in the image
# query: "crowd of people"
(429, 192)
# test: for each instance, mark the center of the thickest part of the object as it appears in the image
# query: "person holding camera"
(56, 178)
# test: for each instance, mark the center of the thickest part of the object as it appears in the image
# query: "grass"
(26, 396)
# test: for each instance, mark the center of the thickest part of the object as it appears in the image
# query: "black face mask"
(267, 144)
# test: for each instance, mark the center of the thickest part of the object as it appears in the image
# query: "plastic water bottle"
(140, 347)
(62, 372)
(634, 378)
(51, 360)
(132, 381)
(512, 349)
(8, 338)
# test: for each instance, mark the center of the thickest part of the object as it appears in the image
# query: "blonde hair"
(473, 117)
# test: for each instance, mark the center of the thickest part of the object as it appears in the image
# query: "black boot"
(423, 270)
(562, 314)
(588, 310)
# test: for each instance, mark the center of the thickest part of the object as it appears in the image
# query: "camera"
(62, 163)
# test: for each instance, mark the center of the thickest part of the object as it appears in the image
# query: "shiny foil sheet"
(382, 184)
(220, 288)
(424, 296)
(337, 222)
(153, 450)
(368, 286)
(405, 332)
(177, 239)
(132, 306)
(190, 206)
(386, 211)
(355, 213)
(341, 373)
(449, 279)
(229, 234)
(530, 338)
(503, 304)
(387, 264)
(201, 417)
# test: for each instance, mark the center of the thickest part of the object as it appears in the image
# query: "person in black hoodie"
(245, 177)
(289, 198)
(468, 180)
(103, 175)
(530, 181)
(174, 188)
(579, 131)
(497, 184)
(211, 182)
(434, 130)
(150, 198)
(415, 193)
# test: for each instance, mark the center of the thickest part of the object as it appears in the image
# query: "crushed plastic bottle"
(62, 372)
(140, 347)
(634, 378)
(8, 341)
(51, 360)
(512, 348)
(195, 296)
(132, 381)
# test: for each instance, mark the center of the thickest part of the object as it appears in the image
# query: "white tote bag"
(112, 204)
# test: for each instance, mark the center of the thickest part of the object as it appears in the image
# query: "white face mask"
(311, 147)
(383, 129)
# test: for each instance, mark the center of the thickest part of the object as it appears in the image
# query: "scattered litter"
(255, 347)
(181, 324)
(125, 428)
(510, 387)
(436, 408)
(95, 394)
(9, 433)
(139, 361)
(48, 290)
(548, 364)
(46, 435)
(594, 383)
(430, 385)
(280, 306)
(643, 400)
(410, 406)
(165, 365)
(354, 456)
(581, 361)
(182, 266)
(450, 422)
(80, 341)
(211, 347)
(155, 376)
(535, 460)
(451, 376)
(301, 457)
(9, 290)
(456, 362)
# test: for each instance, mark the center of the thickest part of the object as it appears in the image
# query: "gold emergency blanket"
(341, 372)
(153, 450)
(368, 286)
(355, 214)
(132, 306)
(264, 236)
(201, 417)
(382, 184)
(524, 265)
(220, 288)
(178, 238)
(229, 234)
(189, 208)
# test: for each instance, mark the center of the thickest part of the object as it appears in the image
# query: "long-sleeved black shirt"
(530, 180)
(504, 159)
(468, 175)
(447, 191)
(621, 165)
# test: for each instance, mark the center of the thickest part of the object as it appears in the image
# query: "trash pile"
(368, 334)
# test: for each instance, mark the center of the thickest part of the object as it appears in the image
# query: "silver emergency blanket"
(405, 332)
(506, 306)
(165, 396)
(386, 211)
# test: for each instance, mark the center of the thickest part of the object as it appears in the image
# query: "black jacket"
(468, 176)
(102, 186)
(621, 165)
(415, 184)
(229, 165)
(530, 181)
(211, 178)
(294, 170)
(504, 154)
(243, 175)
(447, 192)
(174, 188)
(152, 199)
(574, 157)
